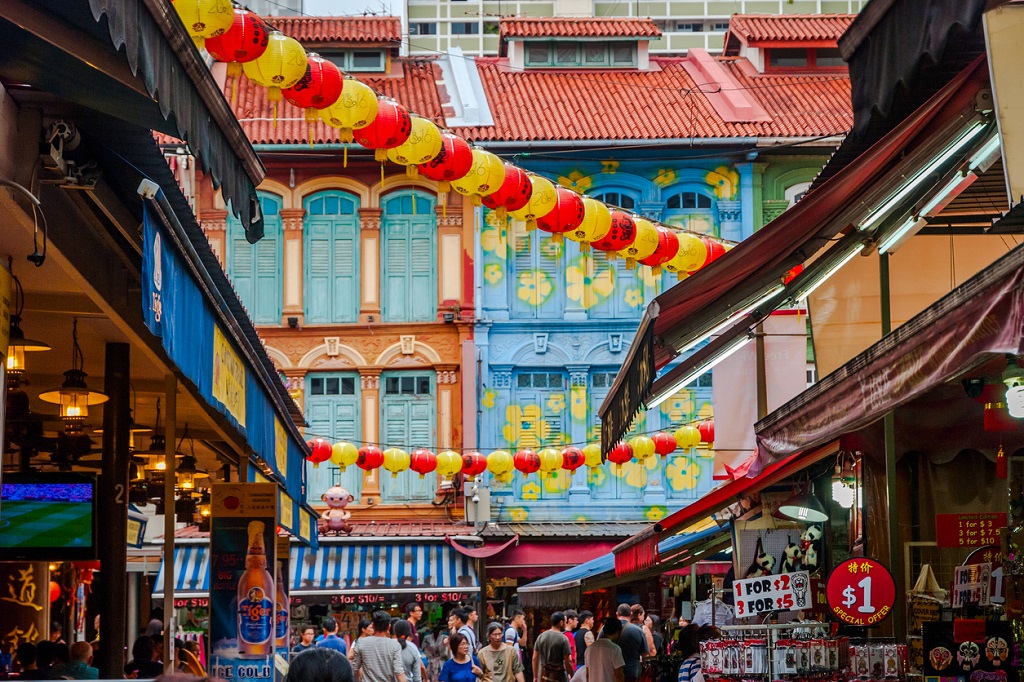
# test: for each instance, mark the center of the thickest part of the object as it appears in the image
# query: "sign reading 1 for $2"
(786, 592)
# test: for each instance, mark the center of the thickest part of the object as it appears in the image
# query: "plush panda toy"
(810, 542)
(763, 563)
(792, 558)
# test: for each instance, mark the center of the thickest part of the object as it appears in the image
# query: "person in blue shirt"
(308, 634)
(462, 666)
(331, 639)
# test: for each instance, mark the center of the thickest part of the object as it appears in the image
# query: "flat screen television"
(48, 516)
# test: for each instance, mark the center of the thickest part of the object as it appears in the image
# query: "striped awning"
(344, 569)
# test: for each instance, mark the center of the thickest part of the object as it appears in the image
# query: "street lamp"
(74, 396)
(17, 344)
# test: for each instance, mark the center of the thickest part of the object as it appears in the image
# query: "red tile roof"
(572, 27)
(660, 104)
(416, 88)
(340, 29)
(751, 29)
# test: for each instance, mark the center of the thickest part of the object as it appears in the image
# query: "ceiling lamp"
(804, 507)
(74, 397)
(17, 344)
(844, 482)
(1013, 377)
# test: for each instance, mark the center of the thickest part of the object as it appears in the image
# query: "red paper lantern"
(473, 463)
(370, 458)
(527, 461)
(666, 250)
(621, 234)
(319, 451)
(54, 591)
(390, 128)
(791, 275)
(245, 41)
(512, 195)
(566, 216)
(572, 458)
(620, 454)
(664, 443)
(423, 461)
(715, 250)
(707, 431)
(319, 88)
(451, 163)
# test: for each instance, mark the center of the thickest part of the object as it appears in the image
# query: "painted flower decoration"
(655, 513)
(494, 237)
(664, 177)
(558, 484)
(493, 273)
(531, 491)
(576, 180)
(635, 473)
(578, 403)
(581, 519)
(634, 298)
(551, 249)
(524, 426)
(610, 166)
(586, 285)
(535, 287)
(679, 407)
(683, 473)
(556, 402)
(487, 399)
(518, 514)
(724, 181)
(596, 477)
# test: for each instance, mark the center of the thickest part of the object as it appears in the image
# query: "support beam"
(171, 436)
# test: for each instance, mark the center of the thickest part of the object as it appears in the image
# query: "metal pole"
(762, 378)
(113, 509)
(170, 434)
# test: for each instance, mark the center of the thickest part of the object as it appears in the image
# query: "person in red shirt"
(572, 619)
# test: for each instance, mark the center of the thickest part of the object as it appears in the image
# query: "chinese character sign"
(24, 602)
(861, 592)
(969, 530)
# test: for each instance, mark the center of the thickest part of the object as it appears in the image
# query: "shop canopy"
(567, 588)
(414, 570)
(741, 288)
(644, 550)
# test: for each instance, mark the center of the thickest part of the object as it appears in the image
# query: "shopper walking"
(604, 661)
(499, 661)
(584, 637)
(414, 670)
(515, 632)
(463, 666)
(306, 641)
(331, 639)
(463, 627)
(435, 648)
(572, 619)
(378, 658)
(552, 657)
(637, 617)
(414, 612)
(365, 630)
(653, 625)
(632, 642)
(689, 649)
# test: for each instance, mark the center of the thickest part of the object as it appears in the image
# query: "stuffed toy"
(335, 518)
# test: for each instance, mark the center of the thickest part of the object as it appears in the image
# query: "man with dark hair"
(331, 639)
(308, 635)
(414, 612)
(552, 657)
(462, 626)
(321, 665)
(572, 619)
(515, 633)
(583, 637)
(378, 658)
(632, 642)
(57, 632)
(603, 660)
(27, 657)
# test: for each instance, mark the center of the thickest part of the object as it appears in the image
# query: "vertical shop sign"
(228, 376)
(24, 603)
(243, 549)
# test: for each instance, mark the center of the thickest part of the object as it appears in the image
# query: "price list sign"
(968, 530)
(786, 592)
(861, 592)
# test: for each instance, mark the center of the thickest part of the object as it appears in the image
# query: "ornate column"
(296, 383)
(292, 270)
(369, 248)
(450, 271)
(447, 377)
(215, 225)
(501, 384)
(370, 379)
(579, 491)
(773, 208)
(731, 220)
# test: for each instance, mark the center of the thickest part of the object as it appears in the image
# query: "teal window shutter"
(603, 482)
(538, 275)
(255, 269)
(409, 262)
(332, 258)
(333, 412)
(408, 419)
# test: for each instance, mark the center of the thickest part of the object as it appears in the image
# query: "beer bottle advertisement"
(243, 559)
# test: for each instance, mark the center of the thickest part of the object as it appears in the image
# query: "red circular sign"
(861, 592)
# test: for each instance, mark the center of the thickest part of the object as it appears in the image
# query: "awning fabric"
(479, 552)
(367, 568)
(757, 264)
(567, 587)
(981, 317)
(643, 550)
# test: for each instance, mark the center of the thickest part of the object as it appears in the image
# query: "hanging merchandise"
(542, 201)
(318, 88)
(526, 461)
(689, 258)
(370, 458)
(619, 236)
(449, 463)
(389, 128)
(643, 245)
(319, 451)
(566, 216)
(642, 446)
(453, 161)
(396, 460)
(484, 176)
(423, 461)
(204, 18)
(245, 41)
(619, 455)
(550, 462)
(597, 220)
(573, 458)
(664, 443)
(344, 454)
(592, 455)
(424, 143)
(473, 463)
(500, 464)
(512, 195)
(668, 247)
(280, 66)
(687, 437)
(355, 108)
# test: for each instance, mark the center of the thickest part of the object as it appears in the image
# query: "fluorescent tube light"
(692, 376)
(806, 291)
(734, 318)
(986, 156)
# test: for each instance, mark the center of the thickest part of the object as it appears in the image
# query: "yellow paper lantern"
(597, 220)
(550, 461)
(499, 463)
(687, 437)
(449, 463)
(208, 19)
(356, 107)
(643, 447)
(691, 255)
(424, 143)
(592, 455)
(643, 246)
(281, 66)
(344, 454)
(542, 200)
(396, 460)
(484, 177)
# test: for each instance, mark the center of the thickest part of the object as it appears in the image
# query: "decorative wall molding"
(408, 344)
(447, 377)
(369, 218)
(370, 381)
(501, 379)
(215, 220)
(291, 218)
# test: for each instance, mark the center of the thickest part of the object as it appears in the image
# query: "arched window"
(620, 199)
(795, 193)
(409, 257)
(332, 257)
(255, 269)
(614, 292)
(692, 210)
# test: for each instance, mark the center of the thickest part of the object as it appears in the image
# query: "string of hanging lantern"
(267, 57)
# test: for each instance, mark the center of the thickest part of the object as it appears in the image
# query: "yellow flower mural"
(494, 237)
(487, 399)
(634, 298)
(524, 426)
(596, 477)
(558, 484)
(578, 403)
(550, 249)
(683, 473)
(535, 287)
(664, 177)
(556, 402)
(610, 166)
(493, 273)
(655, 513)
(518, 514)
(635, 473)
(724, 181)
(679, 407)
(585, 285)
(576, 180)
(531, 491)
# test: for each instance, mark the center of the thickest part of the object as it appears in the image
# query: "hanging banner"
(25, 591)
(243, 552)
(228, 376)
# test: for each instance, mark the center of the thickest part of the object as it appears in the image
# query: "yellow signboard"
(287, 512)
(280, 448)
(304, 530)
(243, 500)
(228, 377)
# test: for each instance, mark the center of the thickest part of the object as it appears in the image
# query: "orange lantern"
(573, 458)
(370, 458)
(245, 41)
(318, 88)
(620, 455)
(389, 128)
(473, 463)
(664, 443)
(319, 451)
(423, 461)
(707, 431)
(454, 161)
(526, 461)
(715, 250)
(513, 193)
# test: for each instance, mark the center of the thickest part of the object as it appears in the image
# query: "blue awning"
(567, 587)
(191, 572)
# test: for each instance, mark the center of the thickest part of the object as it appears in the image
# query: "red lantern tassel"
(557, 238)
(1002, 465)
(631, 264)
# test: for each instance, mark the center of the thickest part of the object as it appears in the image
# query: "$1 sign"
(861, 592)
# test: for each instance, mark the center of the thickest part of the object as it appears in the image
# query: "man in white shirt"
(604, 661)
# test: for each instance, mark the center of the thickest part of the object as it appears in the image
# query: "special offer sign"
(786, 592)
(861, 592)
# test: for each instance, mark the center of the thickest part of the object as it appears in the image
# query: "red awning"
(641, 551)
(479, 552)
